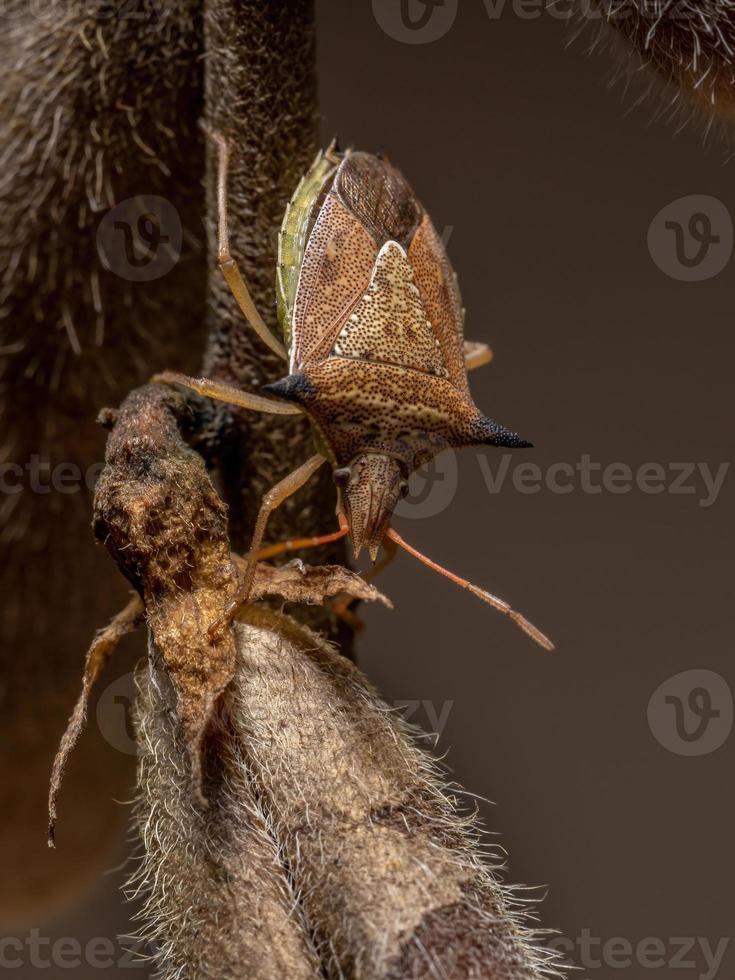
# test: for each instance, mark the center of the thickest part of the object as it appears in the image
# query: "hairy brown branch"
(219, 897)
(260, 87)
(95, 108)
(393, 880)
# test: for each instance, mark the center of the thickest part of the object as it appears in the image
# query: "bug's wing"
(293, 235)
(368, 204)
(379, 197)
(334, 275)
(371, 211)
(437, 285)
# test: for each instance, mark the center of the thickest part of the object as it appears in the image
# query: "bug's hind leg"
(227, 393)
(476, 354)
(273, 499)
(227, 264)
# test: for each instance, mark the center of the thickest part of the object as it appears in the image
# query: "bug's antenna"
(500, 604)
(334, 151)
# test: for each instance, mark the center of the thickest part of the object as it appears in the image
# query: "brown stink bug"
(372, 322)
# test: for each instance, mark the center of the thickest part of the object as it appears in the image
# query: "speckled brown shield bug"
(372, 321)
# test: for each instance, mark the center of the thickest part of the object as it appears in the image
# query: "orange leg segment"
(298, 544)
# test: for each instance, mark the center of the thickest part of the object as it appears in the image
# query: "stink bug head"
(371, 486)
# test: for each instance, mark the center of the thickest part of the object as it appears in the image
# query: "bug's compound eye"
(342, 476)
(403, 488)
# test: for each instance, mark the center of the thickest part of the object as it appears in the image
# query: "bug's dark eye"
(403, 487)
(342, 476)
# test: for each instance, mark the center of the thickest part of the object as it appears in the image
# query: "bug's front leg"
(226, 393)
(227, 264)
(273, 499)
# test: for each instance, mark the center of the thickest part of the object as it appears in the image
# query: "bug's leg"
(227, 393)
(273, 499)
(227, 264)
(341, 604)
(299, 544)
(500, 604)
(476, 354)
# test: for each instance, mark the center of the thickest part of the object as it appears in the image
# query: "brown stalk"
(94, 109)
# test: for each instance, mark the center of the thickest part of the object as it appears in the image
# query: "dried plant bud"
(392, 875)
(688, 44)
(217, 900)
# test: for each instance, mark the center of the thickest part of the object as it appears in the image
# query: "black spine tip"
(293, 388)
(509, 440)
(497, 435)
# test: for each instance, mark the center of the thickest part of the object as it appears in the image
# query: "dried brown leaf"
(102, 648)
(297, 582)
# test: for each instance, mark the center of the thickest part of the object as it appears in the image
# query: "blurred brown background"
(546, 184)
